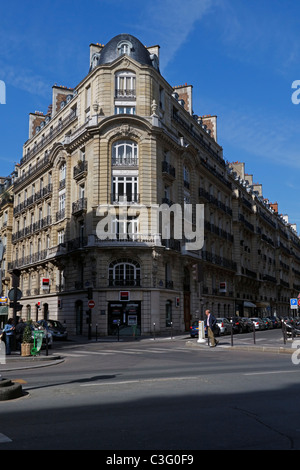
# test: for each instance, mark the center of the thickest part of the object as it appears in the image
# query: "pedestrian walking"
(9, 330)
(210, 323)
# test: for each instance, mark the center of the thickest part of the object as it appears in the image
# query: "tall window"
(124, 272)
(125, 152)
(125, 229)
(125, 189)
(125, 83)
(62, 201)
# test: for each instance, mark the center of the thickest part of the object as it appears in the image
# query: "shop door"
(126, 316)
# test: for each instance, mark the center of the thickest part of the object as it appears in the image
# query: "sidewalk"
(260, 344)
(240, 342)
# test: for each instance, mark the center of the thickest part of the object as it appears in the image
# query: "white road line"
(4, 439)
(109, 352)
(273, 372)
(141, 381)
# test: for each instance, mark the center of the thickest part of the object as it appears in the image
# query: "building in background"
(124, 142)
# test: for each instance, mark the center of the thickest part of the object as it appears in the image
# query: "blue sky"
(241, 58)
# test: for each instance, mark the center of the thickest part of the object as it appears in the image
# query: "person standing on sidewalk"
(9, 330)
(210, 324)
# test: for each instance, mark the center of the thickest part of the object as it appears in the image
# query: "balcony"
(60, 215)
(124, 198)
(80, 170)
(125, 93)
(79, 206)
(52, 133)
(168, 170)
(125, 160)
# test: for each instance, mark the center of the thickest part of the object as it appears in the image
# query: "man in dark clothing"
(210, 324)
(19, 333)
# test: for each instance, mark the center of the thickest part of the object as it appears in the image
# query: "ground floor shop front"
(129, 312)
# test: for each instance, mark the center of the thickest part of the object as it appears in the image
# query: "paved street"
(163, 394)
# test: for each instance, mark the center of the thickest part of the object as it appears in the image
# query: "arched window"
(124, 47)
(125, 152)
(124, 273)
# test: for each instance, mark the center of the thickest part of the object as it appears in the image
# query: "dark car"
(237, 325)
(247, 324)
(276, 322)
(194, 329)
(56, 328)
(268, 323)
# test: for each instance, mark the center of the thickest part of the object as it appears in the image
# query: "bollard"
(254, 339)
(201, 335)
(96, 332)
(231, 334)
(154, 331)
(284, 332)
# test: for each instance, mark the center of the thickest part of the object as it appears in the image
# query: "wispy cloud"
(24, 79)
(265, 32)
(172, 21)
(261, 134)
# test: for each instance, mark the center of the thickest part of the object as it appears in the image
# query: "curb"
(270, 349)
(32, 363)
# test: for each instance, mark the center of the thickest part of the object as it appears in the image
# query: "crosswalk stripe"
(109, 352)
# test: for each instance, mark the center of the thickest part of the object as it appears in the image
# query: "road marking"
(125, 382)
(273, 372)
(4, 439)
(132, 351)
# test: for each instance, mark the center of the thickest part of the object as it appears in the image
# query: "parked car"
(258, 323)
(59, 332)
(247, 324)
(224, 325)
(292, 329)
(276, 322)
(237, 324)
(268, 323)
(194, 329)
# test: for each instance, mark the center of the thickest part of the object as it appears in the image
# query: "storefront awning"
(262, 304)
(249, 304)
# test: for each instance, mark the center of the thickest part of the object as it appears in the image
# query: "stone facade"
(126, 139)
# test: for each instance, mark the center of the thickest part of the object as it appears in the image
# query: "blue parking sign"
(294, 303)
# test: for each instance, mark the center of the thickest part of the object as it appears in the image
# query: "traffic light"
(195, 272)
(90, 293)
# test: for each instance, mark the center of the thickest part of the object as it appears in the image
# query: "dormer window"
(124, 47)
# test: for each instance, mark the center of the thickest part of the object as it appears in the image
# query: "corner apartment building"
(126, 142)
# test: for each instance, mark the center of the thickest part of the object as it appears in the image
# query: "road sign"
(91, 304)
(11, 294)
(294, 303)
(298, 302)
